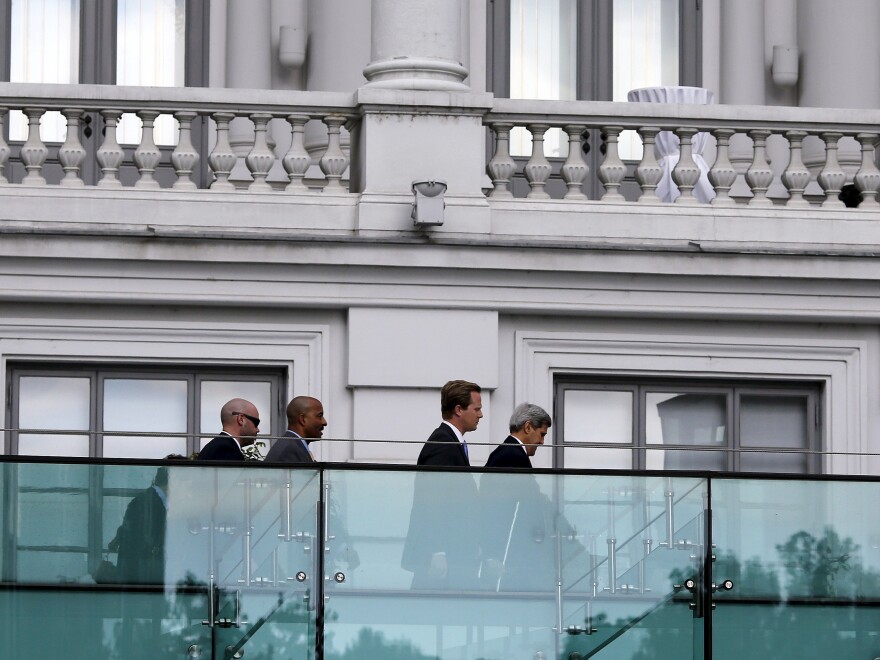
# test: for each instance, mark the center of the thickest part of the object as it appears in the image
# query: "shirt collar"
(455, 430)
(521, 443)
(234, 438)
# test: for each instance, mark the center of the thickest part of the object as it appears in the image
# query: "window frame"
(97, 65)
(594, 47)
(733, 389)
(594, 81)
(194, 375)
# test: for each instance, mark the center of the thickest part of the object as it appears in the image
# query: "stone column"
(331, 67)
(742, 52)
(839, 52)
(417, 45)
(248, 66)
(742, 74)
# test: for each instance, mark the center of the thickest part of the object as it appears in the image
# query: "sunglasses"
(254, 420)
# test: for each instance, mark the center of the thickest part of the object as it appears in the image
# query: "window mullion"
(732, 439)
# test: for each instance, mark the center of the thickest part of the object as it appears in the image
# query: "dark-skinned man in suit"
(305, 423)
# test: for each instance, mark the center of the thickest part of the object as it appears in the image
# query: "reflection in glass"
(805, 562)
(75, 553)
(687, 419)
(53, 402)
(214, 393)
(44, 48)
(773, 421)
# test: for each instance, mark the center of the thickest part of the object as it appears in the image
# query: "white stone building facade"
(277, 255)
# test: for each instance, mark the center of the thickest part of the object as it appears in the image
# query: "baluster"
(612, 170)
(685, 174)
(722, 173)
(796, 176)
(574, 169)
(537, 170)
(110, 155)
(831, 177)
(297, 160)
(501, 167)
(649, 172)
(759, 175)
(33, 151)
(334, 161)
(260, 159)
(184, 157)
(147, 155)
(222, 158)
(867, 179)
(71, 153)
(4, 148)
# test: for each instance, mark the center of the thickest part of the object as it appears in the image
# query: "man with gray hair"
(517, 516)
(528, 427)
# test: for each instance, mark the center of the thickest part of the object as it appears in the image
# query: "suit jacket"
(444, 517)
(509, 454)
(289, 449)
(443, 448)
(222, 448)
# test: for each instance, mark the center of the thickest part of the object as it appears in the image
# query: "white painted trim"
(541, 356)
(301, 350)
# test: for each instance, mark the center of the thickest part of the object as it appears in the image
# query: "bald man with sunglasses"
(241, 424)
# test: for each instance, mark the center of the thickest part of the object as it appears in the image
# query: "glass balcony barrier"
(178, 559)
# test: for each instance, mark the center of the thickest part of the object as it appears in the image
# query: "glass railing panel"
(804, 560)
(128, 561)
(641, 537)
(433, 565)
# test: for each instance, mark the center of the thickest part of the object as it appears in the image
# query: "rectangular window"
(60, 41)
(688, 425)
(114, 412)
(44, 48)
(150, 41)
(543, 62)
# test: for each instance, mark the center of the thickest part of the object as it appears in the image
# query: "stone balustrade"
(80, 103)
(247, 134)
(753, 124)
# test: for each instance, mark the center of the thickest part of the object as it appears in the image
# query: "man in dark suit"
(442, 547)
(461, 407)
(517, 516)
(305, 423)
(528, 428)
(140, 539)
(241, 424)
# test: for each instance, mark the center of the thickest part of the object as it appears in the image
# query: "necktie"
(464, 446)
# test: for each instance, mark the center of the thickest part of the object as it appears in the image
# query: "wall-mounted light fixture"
(292, 46)
(785, 65)
(428, 205)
